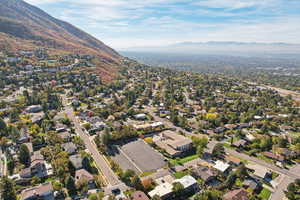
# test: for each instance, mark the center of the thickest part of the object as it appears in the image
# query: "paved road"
(110, 177)
(283, 92)
(279, 190)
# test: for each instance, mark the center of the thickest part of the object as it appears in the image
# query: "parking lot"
(138, 156)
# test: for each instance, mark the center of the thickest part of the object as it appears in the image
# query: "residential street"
(103, 166)
(279, 190)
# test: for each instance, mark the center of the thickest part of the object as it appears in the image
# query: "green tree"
(10, 164)
(241, 171)
(82, 186)
(106, 137)
(7, 189)
(24, 155)
(3, 127)
(87, 164)
(218, 150)
(156, 197)
(127, 175)
(136, 183)
(208, 195)
(70, 185)
(230, 180)
(178, 189)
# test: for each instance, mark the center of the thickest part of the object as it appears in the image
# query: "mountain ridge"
(220, 48)
(25, 25)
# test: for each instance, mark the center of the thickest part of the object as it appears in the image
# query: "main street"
(110, 177)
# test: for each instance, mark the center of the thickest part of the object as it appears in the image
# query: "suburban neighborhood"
(152, 133)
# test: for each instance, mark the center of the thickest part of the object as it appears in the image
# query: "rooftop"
(41, 190)
(221, 166)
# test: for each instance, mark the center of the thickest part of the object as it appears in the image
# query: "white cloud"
(127, 23)
(232, 4)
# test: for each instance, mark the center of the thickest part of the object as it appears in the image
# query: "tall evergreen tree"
(24, 155)
(7, 189)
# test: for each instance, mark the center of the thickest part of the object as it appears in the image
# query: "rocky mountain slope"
(25, 26)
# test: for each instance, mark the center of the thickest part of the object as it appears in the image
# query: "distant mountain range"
(222, 48)
(23, 26)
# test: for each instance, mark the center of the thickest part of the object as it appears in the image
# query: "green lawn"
(238, 182)
(227, 145)
(180, 174)
(183, 160)
(189, 158)
(262, 157)
(265, 194)
(274, 175)
(146, 174)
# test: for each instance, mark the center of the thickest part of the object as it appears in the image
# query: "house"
(239, 143)
(165, 179)
(37, 117)
(189, 183)
(156, 124)
(205, 173)
(76, 161)
(233, 160)
(219, 130)
(287, 154)
(239, 194)
(38, 165)
(24, 136)
(69, 147)
(251, 183)
(244, 125)
(141, 116)
(259, 172)
(257, 117)
(60, 127)
(173, 143)
(82, 174)
(30, 147)
(75, 103)
(139, 195)
(221, 166)
(285, 128)
(43, 191)
(34, 109)
(66, 136)
(230, 126)
(97, 126)
(13, 59)
(163, 191)
(274, 156)
(250, 137)
(25, 173)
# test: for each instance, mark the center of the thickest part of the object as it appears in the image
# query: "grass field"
(180, 174)
(183, 160)
(265, 194)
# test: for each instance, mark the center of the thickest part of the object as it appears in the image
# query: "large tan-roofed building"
(173, 143)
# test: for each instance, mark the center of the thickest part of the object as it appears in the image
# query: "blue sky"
(130, 23)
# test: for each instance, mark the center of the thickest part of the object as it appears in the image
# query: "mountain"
(222, 48)
(25, 26)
